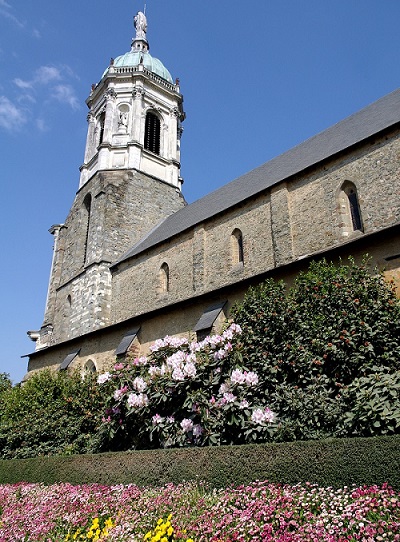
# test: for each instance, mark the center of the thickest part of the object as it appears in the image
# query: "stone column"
(55, 273)
(91, 137)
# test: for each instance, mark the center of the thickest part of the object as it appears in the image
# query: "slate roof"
(374, 118)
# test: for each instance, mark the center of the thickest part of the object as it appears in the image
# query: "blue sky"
(258, 77)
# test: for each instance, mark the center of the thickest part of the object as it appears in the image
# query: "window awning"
(127, 341)
(67, 361)
(209, 316)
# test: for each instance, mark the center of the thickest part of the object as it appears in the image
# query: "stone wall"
(109, 215)
(179, 320)
(290, 221)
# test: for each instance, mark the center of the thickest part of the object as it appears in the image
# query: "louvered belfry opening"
(152, 133)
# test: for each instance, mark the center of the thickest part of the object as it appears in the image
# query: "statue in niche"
(122, 121)
(140, 23)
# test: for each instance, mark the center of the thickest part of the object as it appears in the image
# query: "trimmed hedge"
(333, 462)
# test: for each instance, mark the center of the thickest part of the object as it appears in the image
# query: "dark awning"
(209, 316)
(127, 341)
(64, 365)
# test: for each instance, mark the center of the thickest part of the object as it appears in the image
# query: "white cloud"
(42, 125)
(66, 94)
(46, 74)
(36, 33)
(5, 11)
(23, 84)
(43, 76)
(11, 117)
(48, 83)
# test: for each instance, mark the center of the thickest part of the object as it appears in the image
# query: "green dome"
(152, 64)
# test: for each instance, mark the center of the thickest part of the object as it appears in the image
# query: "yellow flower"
(160, 521)
(169, 517)
(147, 535)
(170, 531)
(189, 540)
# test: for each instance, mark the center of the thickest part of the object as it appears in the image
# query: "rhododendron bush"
(195, 513)
(186, 393)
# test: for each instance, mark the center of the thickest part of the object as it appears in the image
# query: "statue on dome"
(140, 23)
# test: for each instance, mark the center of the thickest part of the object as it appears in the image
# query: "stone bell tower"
(135, 116)
(129, 182)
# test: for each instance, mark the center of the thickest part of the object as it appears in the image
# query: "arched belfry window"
(152, 133)
(237, 247)
(87, 205)
(350, 209)
(163, 278)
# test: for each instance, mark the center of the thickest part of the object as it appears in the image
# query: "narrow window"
(349, 209)
(102, 121)
(355, 210)
(164, 278)
(152, 133)
(87, 204)
(237, 247)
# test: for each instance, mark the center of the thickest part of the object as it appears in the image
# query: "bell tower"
(129, 182)
(135, 117)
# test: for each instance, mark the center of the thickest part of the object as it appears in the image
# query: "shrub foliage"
(320, 359)
(51, 413)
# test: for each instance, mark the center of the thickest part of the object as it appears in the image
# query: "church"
(134, 262)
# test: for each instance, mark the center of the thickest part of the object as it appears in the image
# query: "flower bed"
(193, 512)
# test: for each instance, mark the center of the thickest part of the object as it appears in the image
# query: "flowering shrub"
(259, 511)
(184, 394)
(327, 350)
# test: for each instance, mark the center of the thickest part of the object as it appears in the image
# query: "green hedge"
(333, 462)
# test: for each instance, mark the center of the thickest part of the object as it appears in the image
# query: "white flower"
(103, 378)
(229, 397)
(237, 376)
(235, 328)
(137, 400)
(243, 404)
(260, 416)
(223, 388)
(139, 384)
(177, 374)
(154, 371)
(269, 416)
(156, 419)
(187, 425)
(220, 354)
(197, 430)
(228, 334)
(251, 378)
(189, 369)
(119, 393)
(175, 361)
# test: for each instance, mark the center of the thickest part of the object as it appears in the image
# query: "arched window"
(163, 278)
(237, 247)
(87, 204)
(102, 120)
(350, 209)
(90, 367)
(152, 133)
